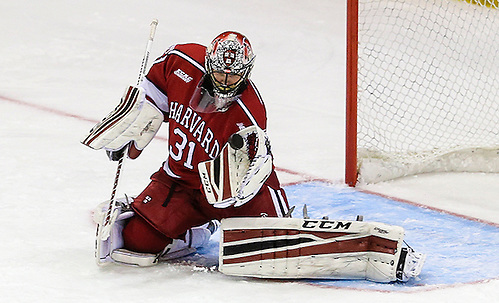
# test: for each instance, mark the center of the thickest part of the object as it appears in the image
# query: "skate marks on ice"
(459, 250)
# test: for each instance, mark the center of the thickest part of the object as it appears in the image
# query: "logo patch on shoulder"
(182, 75)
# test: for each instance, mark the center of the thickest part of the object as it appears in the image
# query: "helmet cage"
(206, 100)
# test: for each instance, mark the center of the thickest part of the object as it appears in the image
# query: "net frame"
(407, 56)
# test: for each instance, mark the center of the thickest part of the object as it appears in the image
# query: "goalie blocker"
(291, 248)
(135, 119)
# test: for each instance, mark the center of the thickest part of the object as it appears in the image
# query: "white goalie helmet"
(229, 60)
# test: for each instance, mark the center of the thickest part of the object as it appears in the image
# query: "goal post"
(422, 88)
(351, 93)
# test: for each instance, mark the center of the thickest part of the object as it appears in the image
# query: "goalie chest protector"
(291, 248)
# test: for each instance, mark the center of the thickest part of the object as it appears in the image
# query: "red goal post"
(422, 88)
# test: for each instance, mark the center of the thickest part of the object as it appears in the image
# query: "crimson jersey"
(194, 136)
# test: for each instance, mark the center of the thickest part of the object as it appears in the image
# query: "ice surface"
(65, 65)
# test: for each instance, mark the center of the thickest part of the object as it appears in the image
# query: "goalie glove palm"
(238, 173)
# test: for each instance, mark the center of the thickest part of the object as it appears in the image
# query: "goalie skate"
(410, 264)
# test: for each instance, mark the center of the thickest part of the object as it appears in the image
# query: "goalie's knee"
(131, 241)
(140, 236)
(138, 243)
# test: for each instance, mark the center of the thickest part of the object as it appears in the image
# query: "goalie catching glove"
(134, 120)
(236, 175)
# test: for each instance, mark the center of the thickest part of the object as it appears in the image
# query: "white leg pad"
(127, 257)
(103, 248)
(288, 248)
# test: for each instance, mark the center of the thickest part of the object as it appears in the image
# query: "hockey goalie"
(219, 168)
(218, 162)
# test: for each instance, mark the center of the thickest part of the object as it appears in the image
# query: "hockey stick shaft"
(145, 58)
(109, 220)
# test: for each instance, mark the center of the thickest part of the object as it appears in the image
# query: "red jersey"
(195, 136)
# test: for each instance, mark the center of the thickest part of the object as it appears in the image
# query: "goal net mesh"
(428, 87)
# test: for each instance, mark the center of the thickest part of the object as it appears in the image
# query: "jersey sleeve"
(170, 71)
(253, 107)
(155, 80)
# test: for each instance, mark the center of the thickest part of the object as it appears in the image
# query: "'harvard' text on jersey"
(195, 136)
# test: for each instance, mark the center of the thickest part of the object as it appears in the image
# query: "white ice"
(73, 59)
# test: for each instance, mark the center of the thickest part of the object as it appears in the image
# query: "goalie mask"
(228, 62)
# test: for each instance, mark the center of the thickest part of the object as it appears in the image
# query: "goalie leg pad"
(128, 257)
(104, 248)
(288, 248)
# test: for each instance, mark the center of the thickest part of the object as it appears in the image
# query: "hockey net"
(424, 93)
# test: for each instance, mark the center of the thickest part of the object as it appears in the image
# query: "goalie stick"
(103, 231)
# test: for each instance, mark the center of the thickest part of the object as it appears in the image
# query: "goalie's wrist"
(116, 155)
